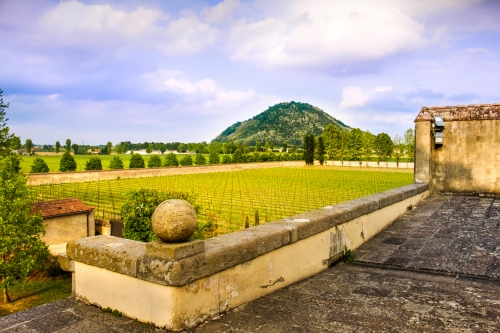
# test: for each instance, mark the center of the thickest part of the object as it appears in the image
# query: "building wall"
(63, 229)
(468, 160)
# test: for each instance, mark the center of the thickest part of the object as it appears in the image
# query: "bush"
(116, 163)
(237, 157)
(39, 166)
(186, 160)
(140, 205)
(214, 158)
(67, 162)
(136, 161)
(200, 159)
(154, 162)
(226, 159)
(93, 164)
(171, 160)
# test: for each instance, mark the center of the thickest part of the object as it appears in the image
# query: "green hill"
(283, 122)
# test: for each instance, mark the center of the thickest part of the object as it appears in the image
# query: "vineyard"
(227, 198)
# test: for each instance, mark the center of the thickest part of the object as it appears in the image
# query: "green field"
(227, 197)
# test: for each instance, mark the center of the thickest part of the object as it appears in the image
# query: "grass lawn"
(35, 292)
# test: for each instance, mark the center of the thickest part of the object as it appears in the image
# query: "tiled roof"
(61, 207)
(461, 112)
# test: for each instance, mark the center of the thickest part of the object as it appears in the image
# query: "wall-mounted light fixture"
(437, 131)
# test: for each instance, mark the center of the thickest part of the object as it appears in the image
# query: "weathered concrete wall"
(401, 165)
(235, 268)
(468, 160)
(63, 229)
(88, 176)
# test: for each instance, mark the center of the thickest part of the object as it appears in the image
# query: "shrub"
(214, 158)
(136, 161)
(237, 157)
(67, 162)
(116, 163)
(140, 205)
(171, 160)
(226, 159)
(39, 166)
(93, 164)
(186, 160)
(200, 159)
(154, 162)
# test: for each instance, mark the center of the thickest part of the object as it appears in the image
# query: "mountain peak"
(283, 122)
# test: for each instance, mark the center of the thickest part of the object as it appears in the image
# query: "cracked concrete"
(436, 268)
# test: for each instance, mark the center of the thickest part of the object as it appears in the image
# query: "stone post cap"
(174, 221)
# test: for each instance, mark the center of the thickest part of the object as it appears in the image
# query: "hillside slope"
(283, 122)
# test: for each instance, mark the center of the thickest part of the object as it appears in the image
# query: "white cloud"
(323, 34)
(357, 96)
(222, 12)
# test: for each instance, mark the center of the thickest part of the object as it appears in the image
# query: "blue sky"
(98, 71)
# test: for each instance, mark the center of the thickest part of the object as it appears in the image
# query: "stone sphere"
(174, 220)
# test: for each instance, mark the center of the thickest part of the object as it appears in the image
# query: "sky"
(184, 70)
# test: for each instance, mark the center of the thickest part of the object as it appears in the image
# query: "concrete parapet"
(150, 284)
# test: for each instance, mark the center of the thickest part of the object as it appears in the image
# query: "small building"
(65, 220)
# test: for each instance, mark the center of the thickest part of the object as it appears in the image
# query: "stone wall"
(230, 269)
(468, 160)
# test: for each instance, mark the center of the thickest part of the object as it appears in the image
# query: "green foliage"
(68, 145)
(321, 150)
(383, 146)
(409, 142)
(136, 161)
(399, 148)
(309, 149)
(67, 162)
(39, 166)
(6, 138)
(187, 160)
(154, 161)
(347, 254)
(200, 159)
(93, 164)
(171, 160)
(21, 249)
(76, 148)
(116, 163)
(29, 146)
(140, 205)
(226, 159)
(214, 158)
(354, 144)
(368, 140)
(288, 121)
(58, 147)
(125, 147)
(237, 157)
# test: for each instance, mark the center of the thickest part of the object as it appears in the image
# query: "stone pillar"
(423, 152)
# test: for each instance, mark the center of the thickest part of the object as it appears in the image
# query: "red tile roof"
(61, 207)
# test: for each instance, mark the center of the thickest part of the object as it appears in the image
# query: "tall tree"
(181, 147)
(354, 144)
(285, 146)
(29, 146)
(309, 149)
(367, 150)
(258, 146)
(398, 148)
(68, 145)
(21, 249)
(321, 150)
(409, 142)
(383, 146)
(331, 138)
(58, 147)
(125, 147)
(75, 148)
(109, 145)
(6, 138)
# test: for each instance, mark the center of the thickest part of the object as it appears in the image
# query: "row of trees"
(357, 145)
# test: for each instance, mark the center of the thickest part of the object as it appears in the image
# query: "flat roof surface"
(436, 268)
(61, 207)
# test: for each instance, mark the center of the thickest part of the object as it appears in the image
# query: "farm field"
(226, 198)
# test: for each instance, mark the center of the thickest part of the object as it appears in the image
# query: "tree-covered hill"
(283, 122)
